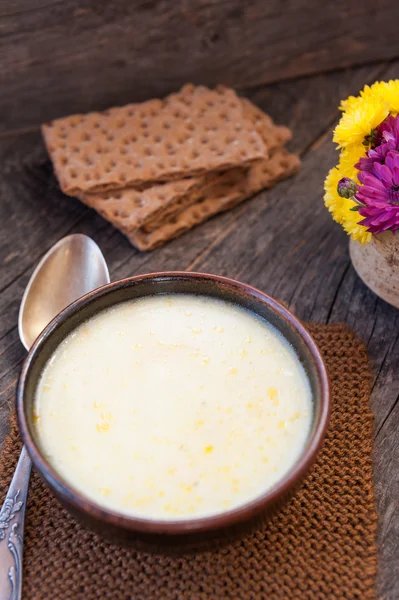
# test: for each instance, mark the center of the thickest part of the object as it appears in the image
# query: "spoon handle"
(12, 515)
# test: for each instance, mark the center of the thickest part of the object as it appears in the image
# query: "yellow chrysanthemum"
(389, 91)
(349, 157)
(349, 103)
(358, 122)
(340, 207)
(332, 200)
(354, 101)
(352, 227)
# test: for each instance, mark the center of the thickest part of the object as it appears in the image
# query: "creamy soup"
(173, 406)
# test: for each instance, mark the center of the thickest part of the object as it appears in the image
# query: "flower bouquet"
(362, 191)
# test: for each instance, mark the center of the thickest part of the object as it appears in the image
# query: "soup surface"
(173, 406)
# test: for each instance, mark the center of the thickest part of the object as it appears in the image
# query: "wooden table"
(283, 241)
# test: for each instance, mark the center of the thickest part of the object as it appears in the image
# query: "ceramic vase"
(377, 264)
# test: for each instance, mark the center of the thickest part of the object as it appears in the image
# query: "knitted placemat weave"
(321, 545)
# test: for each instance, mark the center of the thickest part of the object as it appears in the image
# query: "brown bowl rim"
(80, 503)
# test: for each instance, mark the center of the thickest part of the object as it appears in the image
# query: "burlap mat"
(321, 545)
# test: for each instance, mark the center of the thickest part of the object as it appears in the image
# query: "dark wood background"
(58, 57)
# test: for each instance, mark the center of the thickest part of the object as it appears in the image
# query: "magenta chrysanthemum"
(376, 155)
(379, 194)
(389, 131)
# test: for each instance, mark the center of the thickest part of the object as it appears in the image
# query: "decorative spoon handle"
(71, 268)
(12, 517)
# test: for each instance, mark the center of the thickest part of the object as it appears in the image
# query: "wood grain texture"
(64, 57)
(283, 241)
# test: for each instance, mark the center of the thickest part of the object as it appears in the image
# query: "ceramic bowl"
(166, 536)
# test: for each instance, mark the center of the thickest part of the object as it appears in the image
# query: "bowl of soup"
(173, 410)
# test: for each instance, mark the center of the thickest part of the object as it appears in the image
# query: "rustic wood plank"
(283, 241)
(290, 247)
(308, 106)
(377, 323)
(31, 202)
(64, 57)
(37, 213)
(386, 457)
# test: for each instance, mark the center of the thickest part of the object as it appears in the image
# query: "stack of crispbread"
(157, 169)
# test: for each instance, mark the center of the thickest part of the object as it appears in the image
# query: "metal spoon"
(70, 269)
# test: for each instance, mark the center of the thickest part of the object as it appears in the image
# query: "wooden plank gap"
(341, 281)
(8, 332)
(386, 354)
(326, 130)
(33, 9)
(17, 132)
(380, 428)
(377, 300)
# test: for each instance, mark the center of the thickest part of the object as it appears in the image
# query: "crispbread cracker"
(193, 131)
(274, 137)
(198, 194)
(128, 208)
(227, 192)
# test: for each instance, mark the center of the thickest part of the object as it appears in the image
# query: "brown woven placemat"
(321, 545)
